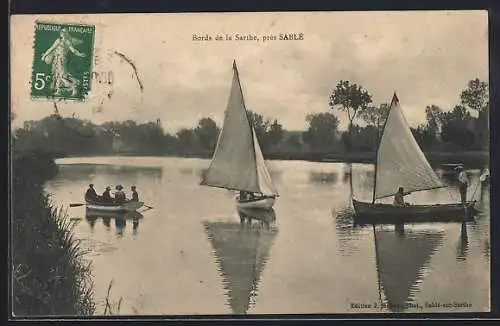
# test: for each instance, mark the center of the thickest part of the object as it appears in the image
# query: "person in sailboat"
(135, 195)
(106, 195)
(91, 194)
(463, 183)
(246, 195)
(399, 198)
(485, 175)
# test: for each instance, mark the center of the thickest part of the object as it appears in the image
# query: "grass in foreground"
(50, 276)
(49, 273)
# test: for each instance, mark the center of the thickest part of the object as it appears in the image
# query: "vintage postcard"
(250, 163)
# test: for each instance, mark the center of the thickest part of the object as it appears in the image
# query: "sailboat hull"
(368, 213)
(262, 203)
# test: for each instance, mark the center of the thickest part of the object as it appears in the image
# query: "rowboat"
(401, 163)
(128, 206)
(238, 163)
(128, 215)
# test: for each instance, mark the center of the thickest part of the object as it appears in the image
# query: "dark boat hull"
(368, 213)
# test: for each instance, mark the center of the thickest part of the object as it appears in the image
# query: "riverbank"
(471, 159)
(49, 273)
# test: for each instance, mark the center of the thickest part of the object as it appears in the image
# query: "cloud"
(427, 57)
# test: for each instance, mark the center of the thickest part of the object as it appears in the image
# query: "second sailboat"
(238, 163)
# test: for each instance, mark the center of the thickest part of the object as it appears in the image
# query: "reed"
(111, 308)
(50, 275)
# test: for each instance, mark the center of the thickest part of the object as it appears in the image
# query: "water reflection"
(346, 230)
(323, 177)
(241, 253)
(91, 220)
(120, 220)
(401, 258)
(74, 172)
(463, 244)
(314, 211)
(264, 217)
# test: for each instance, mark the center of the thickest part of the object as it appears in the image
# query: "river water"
(189, 254)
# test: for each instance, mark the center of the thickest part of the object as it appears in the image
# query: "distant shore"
(470, 159)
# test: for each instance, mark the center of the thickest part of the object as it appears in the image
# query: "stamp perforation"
(62, 60)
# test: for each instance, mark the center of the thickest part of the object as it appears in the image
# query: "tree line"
(463, 128)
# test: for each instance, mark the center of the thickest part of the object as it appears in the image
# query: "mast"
(379, 137)
(235, 68)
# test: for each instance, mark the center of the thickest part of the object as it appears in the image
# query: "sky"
(427, 57)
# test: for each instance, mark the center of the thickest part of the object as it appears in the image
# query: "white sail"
(400, 161)
(266, 184)
(237, 162)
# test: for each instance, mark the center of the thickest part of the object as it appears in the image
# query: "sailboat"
(401, 163)
(238, 163)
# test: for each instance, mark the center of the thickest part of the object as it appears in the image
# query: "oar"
(76, 204)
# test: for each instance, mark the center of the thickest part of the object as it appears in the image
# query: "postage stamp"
(62, 62)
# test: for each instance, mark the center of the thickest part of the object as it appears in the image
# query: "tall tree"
(207, 133)
(322, 132)
(374, 115)
(455, 128)
(475, 97)
(186, 139)
(260, 125)
(433, 115)
(350, 98)
(275, 133)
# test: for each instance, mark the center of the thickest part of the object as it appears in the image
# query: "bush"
(50, 276)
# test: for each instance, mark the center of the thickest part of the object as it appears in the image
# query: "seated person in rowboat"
(135, 195)
(119, 194)
(106, 195)
(91, 194)
(399, 198)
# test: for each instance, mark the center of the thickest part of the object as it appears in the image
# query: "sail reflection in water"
(241, 252)
(401, 258)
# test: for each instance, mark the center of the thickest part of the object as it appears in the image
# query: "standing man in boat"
(91, 194)
(135, 195)
(106, 195)
(463, 183)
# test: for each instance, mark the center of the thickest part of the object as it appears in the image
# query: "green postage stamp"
(62, 63)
